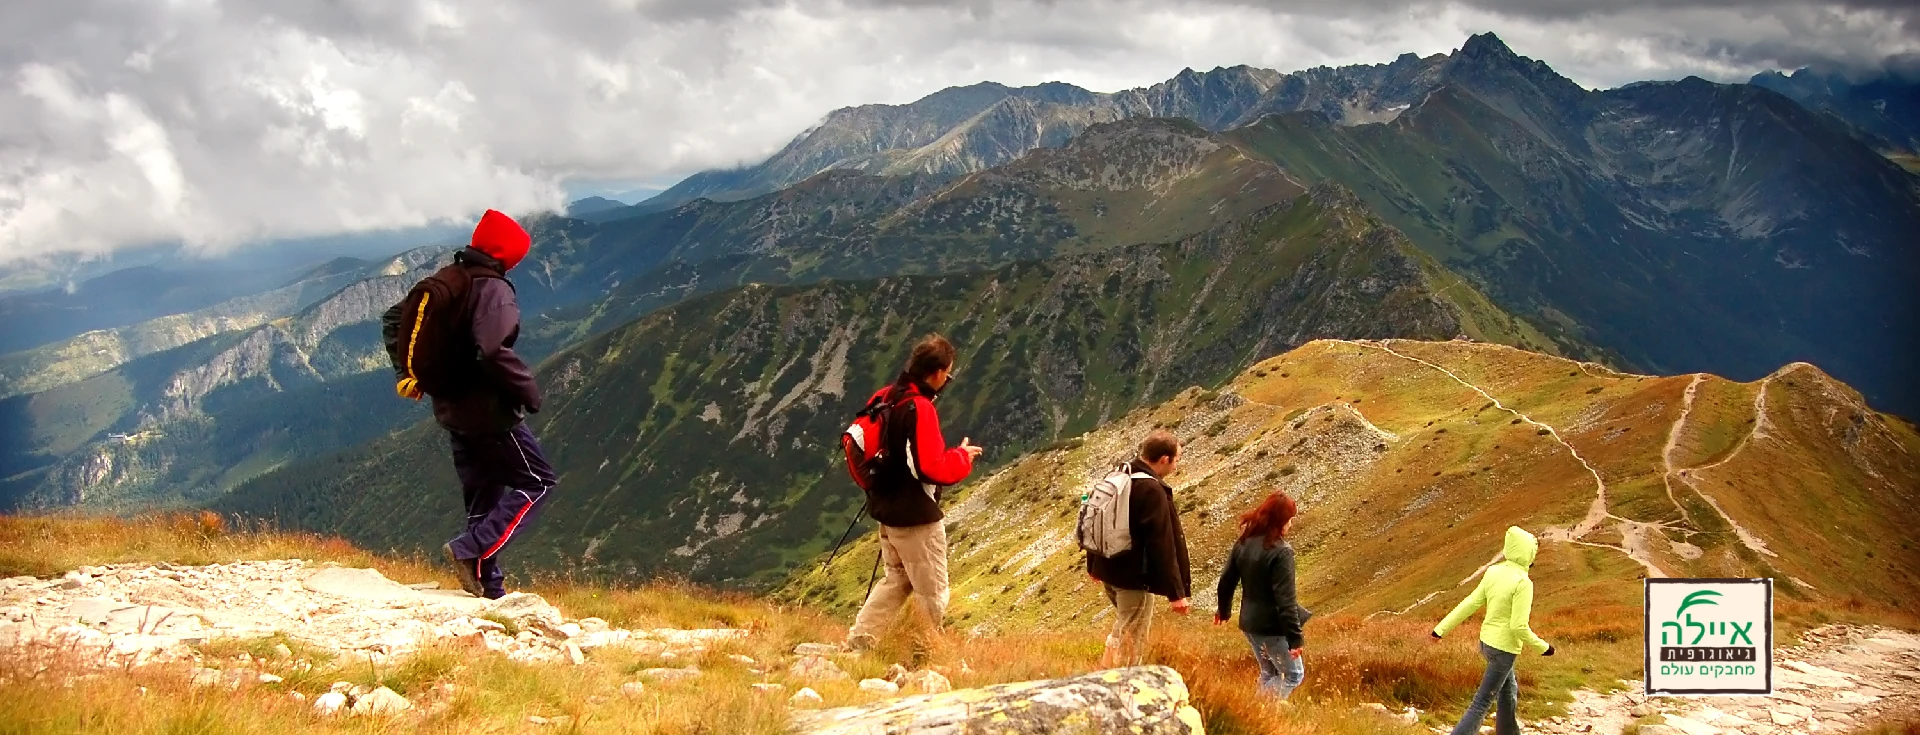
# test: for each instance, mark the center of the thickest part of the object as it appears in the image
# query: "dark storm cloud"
(218, 122)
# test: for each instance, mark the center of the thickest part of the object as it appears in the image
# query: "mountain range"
(696, 439)
(1095, 254)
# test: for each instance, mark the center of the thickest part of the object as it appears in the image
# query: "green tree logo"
(1683, 623)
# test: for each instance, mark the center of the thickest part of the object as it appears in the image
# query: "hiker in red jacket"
(504, 477)
(905, 497)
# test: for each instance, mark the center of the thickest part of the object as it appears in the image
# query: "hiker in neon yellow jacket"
(1507, 594)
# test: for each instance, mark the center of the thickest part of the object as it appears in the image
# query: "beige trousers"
(916, 562)
(1132, 619)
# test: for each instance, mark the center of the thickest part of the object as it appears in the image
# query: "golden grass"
(1350, 660)
(45, 545)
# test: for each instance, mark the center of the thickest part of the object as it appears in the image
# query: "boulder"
(925, 682)
(1143, 700)
(895, 673)
(806, 697)
(881, 686)
(382, 701)
(329, 703)
(633, 689)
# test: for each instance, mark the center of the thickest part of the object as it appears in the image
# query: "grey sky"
(216, 123)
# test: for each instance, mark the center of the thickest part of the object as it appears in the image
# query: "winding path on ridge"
(1686, 474)
(1596, 512)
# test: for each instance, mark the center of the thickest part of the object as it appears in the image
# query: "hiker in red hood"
(504, 476)
(905, 497)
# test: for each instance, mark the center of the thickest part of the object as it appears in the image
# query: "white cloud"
(219, 123)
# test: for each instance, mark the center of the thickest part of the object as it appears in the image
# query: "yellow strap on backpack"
(409, 387)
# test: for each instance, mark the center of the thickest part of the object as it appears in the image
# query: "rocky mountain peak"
(1485, 46)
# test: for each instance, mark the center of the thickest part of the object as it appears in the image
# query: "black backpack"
(429, 333)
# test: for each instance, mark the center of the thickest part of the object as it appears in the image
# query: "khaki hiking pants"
(916, 561)
(1132, 620)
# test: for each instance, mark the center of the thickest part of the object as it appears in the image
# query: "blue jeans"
(1500, 682)
(1280, 672)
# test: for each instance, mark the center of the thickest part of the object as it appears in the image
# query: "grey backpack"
(1105, 527)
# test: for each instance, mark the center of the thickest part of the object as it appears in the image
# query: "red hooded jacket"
(908, 487)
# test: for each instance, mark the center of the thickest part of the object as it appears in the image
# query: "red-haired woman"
(1271, 615)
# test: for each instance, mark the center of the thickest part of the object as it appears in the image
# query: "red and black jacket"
(918, 464)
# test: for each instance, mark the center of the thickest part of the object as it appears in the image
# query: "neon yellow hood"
(1521, 546)
(1506, 592)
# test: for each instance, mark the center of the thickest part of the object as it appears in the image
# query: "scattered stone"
(670, 675)
(806, 697)
(297, 697)
(380, 702)
(1690, 726)
(538, 720)
(766, 688)
(281, 652)
(574, 653)
(571, 630)
(879, 685)
(528, 611)
(424, 586)
(270, 679)
(742, 660)
(341, 686)
(1375, 707)
(814, 668)
(817, 649)
(203, 678)
(633, 689)
(1657, 730)
(329, 703)
(594, 625)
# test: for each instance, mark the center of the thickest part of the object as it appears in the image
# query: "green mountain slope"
(1409, 459)
(1683, 226)
(701, 439)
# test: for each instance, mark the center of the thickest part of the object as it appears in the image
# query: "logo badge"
(1709, 636)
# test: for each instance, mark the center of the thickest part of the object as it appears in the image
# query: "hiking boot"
(464, 569)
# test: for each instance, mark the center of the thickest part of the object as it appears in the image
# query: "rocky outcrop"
(1146, 700)
(142, 614)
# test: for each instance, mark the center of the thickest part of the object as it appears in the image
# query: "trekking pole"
(873, 574)
(844, 535)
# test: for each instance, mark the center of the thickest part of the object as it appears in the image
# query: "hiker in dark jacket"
(1157, 562)
(504, 477)
(905, 498)
(1271, 614)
